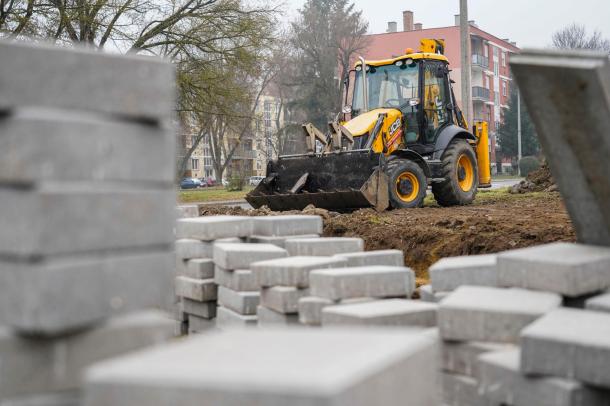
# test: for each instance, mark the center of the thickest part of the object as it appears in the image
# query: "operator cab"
(416, 84)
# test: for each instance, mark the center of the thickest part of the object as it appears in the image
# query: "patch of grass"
(489, 196)
(211, 194)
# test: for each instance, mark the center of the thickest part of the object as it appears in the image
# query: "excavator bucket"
(335, 181)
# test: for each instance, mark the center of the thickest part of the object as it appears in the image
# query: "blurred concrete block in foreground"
(135, 87)
(35, 366)
(568, 96)
(297, 367)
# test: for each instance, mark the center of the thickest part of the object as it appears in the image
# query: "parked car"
(190, 183)
(225, 182)
(255, 180)
(203, 182)
(210, 182)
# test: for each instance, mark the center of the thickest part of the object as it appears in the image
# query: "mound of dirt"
(425, 235)
(540, 180)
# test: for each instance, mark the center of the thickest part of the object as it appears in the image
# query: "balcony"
(480, 61)
(244, 154)
(480, 94)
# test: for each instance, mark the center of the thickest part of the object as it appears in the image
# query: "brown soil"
(430, 233)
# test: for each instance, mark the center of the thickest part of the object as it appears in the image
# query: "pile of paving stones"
(85, 227)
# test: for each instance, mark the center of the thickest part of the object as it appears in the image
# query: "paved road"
(495, 184)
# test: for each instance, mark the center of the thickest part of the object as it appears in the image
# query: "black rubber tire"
(448, 192)
(395, 168)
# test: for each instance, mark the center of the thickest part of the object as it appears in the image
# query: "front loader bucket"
(334, 181)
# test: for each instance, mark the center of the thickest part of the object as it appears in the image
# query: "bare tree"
(575, 36)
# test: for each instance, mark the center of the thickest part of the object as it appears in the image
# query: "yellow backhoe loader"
(401, 132)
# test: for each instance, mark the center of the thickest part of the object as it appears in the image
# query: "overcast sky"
(529, 22)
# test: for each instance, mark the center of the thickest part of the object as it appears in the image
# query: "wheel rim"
(407, 187)
(465, 173)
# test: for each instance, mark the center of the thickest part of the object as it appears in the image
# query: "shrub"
(236, 183)
(528, 164)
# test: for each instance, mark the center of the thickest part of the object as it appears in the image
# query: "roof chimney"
(457, 20)
(418, 26)
(471, 22)
(392, 26)
(407, 20)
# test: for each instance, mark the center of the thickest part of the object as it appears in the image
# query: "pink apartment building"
(491, 78)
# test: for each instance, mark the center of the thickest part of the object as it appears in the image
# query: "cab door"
(434, 112)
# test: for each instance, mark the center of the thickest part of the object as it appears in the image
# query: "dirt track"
(495, 222)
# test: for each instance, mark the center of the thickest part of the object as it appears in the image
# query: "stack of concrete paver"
(86, 230)
(278, 229)
(195, 284)
(563, 356)
(239, 308)
(283, 283)
(448, 274)
(489, 355)
(297, 366)
(311, 307)
(358, 283)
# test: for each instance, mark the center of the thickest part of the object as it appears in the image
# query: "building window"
(194, 164)
(496, 69)
(504, 92)
(503, 59)
(495, 52)
(193, 140)
(486, 50)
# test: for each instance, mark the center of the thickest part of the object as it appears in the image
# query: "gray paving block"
(283, 299)
(189, 248)
(274, 226)
(238, 367)
(461, 357)
(270, 318)
(392, 312)
(310, 308)
(209, 228)
(460, 390)
(200, 290)
(560, 88)
(63, 398)
(427, 294)
(52, 296)
(380, 257)
(569, 343)
(279, 241)
(291, 271)
(600, 303)
(368, 281)
(241, 302)
(64, 219)
(491, 314)
(34, 365)
(226, 318)
(188, 210)
(323, 247)
(38, 146)
(448, 274)
(79, 79)
(568, 269)
(199, 268)
(241, 280)
(501, 381)
(200, 324)
(204, 310)
(241, 256)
